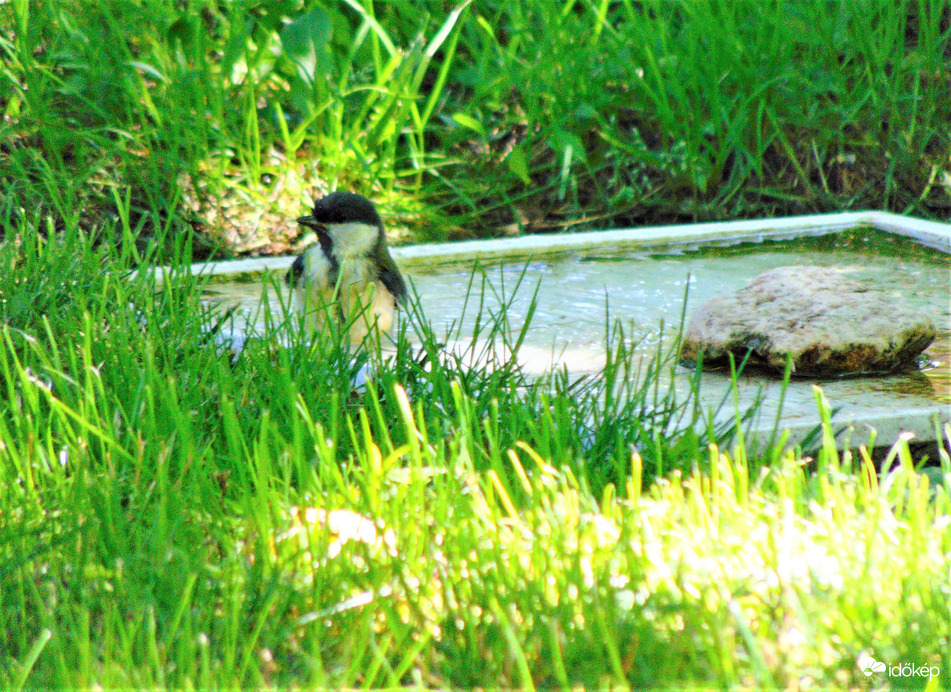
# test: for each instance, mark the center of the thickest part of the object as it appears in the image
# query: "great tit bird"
(349, 270)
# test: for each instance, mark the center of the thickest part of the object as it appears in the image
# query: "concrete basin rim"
(930, 233)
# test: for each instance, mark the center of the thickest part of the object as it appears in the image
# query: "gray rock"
(829, 324)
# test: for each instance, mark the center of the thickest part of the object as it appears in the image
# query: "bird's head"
(350, 231)
(347, 220)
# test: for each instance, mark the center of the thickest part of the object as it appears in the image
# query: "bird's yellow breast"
(356, 297)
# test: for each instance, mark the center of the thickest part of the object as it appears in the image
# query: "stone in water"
(828, 324)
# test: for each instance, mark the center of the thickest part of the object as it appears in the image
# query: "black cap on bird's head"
(342, 207)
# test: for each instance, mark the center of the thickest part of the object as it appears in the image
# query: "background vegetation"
(223, 120)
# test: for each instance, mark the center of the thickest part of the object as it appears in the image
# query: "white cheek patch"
(352, 239)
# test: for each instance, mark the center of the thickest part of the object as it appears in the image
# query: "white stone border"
(923, 424)
(930, 233)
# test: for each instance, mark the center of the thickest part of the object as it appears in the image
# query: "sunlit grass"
(173, 516)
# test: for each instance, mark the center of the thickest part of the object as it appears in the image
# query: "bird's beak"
(311, 222)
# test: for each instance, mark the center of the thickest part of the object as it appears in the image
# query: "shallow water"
(643, 288)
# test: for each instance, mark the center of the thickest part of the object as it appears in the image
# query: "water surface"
(644, 289)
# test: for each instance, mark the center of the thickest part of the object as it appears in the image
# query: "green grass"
(223, 120)
(172, 517)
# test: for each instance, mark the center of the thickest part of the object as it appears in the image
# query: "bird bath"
(643, 286)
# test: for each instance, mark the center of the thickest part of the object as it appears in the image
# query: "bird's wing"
(294, 273)
(391, 278)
